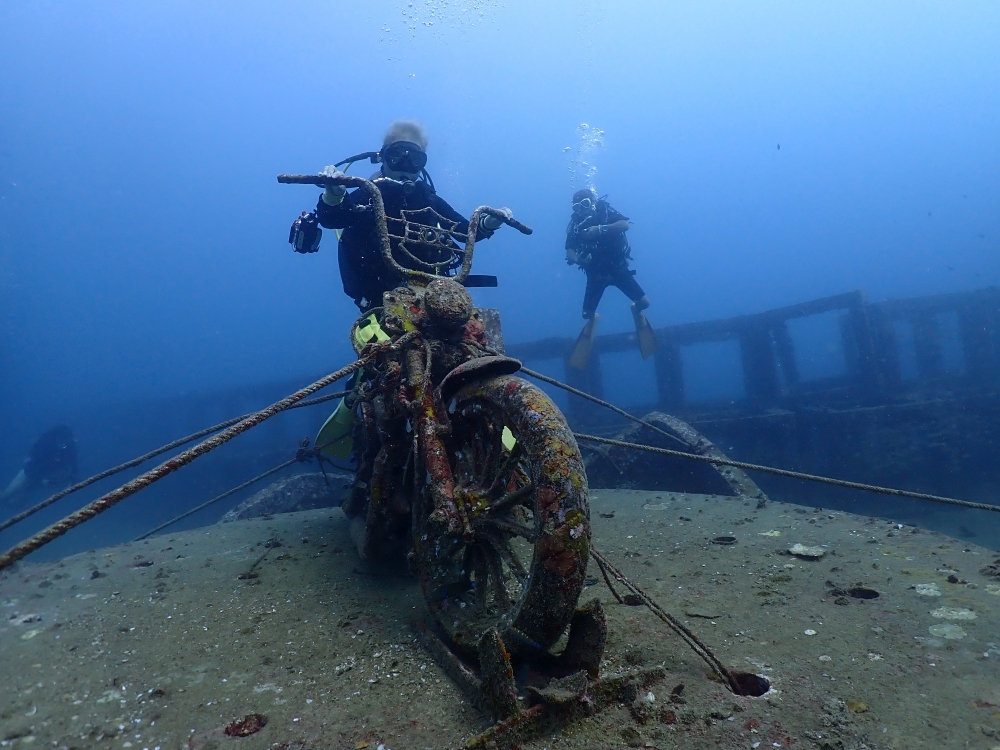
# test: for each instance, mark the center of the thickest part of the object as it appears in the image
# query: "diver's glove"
(334, 194)
(492, 223)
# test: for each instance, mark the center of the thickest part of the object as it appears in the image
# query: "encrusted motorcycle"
(466, 470)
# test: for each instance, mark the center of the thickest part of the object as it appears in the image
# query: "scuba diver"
(51, 463)
(596, 241)
(408, 193)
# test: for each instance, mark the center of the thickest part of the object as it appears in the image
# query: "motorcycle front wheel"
(521, 564)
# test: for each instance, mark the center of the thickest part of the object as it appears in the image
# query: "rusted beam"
(669, 375)
(760, 372)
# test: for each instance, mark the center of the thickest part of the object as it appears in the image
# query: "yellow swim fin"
(584, 343)
(336, 437)
(644, 334)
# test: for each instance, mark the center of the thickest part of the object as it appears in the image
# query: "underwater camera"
(305, 233)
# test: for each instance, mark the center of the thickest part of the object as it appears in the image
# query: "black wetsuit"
(52, 458)
(363, 272)
(605, 259)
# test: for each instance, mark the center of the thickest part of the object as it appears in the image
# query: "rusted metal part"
(512, 730)
(559, 531)
(470, 244)
(441, 484)
(588, 634)
(566, 700)
(388, 512)
(562, 691)
(608, 464)
(448, 305)
(466, 680)
(743, 486)
(480, 368)
(490, 318)
(497, 678)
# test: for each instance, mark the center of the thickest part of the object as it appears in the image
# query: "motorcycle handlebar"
(321, 180)
(508, 220)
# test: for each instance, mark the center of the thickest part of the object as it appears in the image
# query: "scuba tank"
(305, 234)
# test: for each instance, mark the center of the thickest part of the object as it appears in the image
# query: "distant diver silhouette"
(51, 463)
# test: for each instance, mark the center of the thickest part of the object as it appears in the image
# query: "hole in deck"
(751, 684)
(725, 540)
(860, 592)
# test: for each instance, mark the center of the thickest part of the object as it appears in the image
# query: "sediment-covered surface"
(164, 644)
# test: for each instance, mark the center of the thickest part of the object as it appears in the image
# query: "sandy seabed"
(161, 644)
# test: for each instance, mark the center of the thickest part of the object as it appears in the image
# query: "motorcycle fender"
(480, 368)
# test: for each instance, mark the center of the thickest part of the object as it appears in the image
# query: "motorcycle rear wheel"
(521, 480)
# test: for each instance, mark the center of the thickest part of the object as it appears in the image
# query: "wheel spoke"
(501, 548)
(511, 498)
(499, 482)
(481, 570)
(511, 527)
(493, 562)
(496, 453)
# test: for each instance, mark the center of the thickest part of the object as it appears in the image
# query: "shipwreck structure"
(911, 397)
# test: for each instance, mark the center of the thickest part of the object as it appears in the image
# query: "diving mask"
(404, 156)
(584, 206)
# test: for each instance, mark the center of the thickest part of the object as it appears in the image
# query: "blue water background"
(767, 153)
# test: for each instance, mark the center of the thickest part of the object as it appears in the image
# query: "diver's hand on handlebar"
(334, 194)
(492, 222)
(488, 218)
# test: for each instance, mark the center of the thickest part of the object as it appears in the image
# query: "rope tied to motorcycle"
(676, 625)
(114, 497)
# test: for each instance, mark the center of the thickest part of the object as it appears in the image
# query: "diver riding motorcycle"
(466, 470)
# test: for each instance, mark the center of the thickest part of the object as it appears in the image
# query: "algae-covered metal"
(470, 472)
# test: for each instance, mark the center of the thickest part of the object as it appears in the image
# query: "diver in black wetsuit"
(407, 188)
(596, 241)
(51, 463)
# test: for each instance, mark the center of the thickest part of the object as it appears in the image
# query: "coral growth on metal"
(482, 486)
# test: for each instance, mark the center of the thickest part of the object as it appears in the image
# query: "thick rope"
(303, 455)
(676, 625)
(145, 457)
(144, 480)
(216, 499)
(605, 404)
(790, 474)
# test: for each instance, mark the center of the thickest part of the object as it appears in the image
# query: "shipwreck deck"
(161, 644)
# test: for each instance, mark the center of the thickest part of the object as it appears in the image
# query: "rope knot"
(305, 454)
